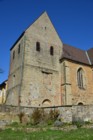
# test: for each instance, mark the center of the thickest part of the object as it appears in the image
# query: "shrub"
(14, 124)
(37, 116)
(53, 114)
(20, 115)
(50, 122)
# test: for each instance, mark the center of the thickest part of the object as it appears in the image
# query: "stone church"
(46, 72)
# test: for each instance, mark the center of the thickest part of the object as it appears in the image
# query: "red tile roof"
(75, 54)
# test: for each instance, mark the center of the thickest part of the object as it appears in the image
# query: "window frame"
(80, 78)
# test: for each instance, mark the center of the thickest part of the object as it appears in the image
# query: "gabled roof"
(43, 16)
(75, 54)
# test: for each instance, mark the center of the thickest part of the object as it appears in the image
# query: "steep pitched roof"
(43, 17)
(75, 54)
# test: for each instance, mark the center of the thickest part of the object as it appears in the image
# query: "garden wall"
(67, 113)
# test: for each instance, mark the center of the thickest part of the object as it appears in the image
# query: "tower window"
(13, 80)
(38, 46)
(51, 50)
(18, 48)
(13, 54)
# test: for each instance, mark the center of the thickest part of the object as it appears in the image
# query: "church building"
(46, 72)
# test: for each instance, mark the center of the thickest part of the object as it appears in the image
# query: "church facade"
(46, 72)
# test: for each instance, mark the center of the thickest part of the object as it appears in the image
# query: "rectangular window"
(13, 54)
(38, 46)
(18, 48)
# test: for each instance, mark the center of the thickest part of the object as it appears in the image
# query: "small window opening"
(13, 54)
(13, 80)
(18, 48)
(38, 46)
(51, 50)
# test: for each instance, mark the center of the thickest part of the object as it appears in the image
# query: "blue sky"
(73, 20)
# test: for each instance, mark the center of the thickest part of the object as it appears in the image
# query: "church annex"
(46, 72)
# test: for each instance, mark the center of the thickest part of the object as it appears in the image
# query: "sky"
(72, 19)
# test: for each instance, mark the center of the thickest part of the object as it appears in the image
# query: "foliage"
(20, 115)
(50, 122)
(37, 116)
(14, 124)
(53, 114)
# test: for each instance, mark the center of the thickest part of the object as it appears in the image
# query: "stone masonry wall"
(78, 95)
(68, 114)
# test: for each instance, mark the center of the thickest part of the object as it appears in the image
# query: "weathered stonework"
(37, 78)
(34, 78)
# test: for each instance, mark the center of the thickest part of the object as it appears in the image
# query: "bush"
(37, 116)
(14, 124)
(20, 115)
(50, 122)
(41, 117)
(53, 114)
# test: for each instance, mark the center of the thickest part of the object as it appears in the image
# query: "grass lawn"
(79, 134)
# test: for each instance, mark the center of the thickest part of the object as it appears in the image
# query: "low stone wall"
(67, 113)
(84, 113)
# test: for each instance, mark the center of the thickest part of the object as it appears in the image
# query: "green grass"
(79, 134)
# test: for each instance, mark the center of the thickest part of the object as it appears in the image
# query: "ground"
(78, 134)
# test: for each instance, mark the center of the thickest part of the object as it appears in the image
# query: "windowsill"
(82, 88)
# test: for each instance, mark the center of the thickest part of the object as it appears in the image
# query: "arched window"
(38, 46)
(80, 78)
(46, 102)
(51, 50)
(80, 103)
